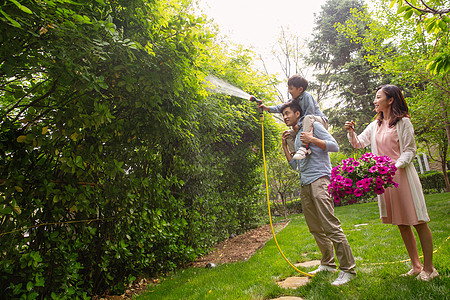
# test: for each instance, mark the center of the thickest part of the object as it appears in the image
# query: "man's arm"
(326, 142)
(287, 153)
(308, 137)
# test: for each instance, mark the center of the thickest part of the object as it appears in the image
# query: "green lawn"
(372, 244)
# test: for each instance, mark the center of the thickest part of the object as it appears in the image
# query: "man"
(318, 207)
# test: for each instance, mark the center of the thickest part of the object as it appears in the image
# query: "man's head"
(297, 84)
(291, 113)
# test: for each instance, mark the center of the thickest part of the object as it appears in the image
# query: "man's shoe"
(301, 153)
(323, 268)
(343, 278)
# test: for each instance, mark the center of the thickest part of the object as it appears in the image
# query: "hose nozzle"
(259, 102)
(253, 99)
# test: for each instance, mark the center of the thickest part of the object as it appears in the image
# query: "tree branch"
(52, 89)
(429, 9)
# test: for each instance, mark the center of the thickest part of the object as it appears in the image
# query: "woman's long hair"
(399, 107)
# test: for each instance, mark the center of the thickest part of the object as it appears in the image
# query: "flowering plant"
(366, 176)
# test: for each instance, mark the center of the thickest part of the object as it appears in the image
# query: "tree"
(341, 69)
(406, 59)
(433, 15)
(283, 180)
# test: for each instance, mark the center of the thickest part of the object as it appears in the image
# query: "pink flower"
(373, 169)
(361, 178)
(357, 192)
(348, 182)
(379, 190)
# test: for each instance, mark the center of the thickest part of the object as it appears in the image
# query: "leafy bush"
(113, 161)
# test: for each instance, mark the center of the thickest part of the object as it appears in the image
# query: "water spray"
(217, 85)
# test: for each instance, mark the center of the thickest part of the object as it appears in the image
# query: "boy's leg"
(308, 122)
(291, 141)
(303, 150)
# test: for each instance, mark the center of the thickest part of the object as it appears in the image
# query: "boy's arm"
(307, 105)
(274, 109)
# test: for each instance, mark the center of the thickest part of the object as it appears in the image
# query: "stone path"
(289, 298)
(295, 282)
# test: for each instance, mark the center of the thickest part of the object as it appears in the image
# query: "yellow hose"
(268, 202)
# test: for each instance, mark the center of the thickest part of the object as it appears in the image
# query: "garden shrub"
(114, 163)
(433, 182)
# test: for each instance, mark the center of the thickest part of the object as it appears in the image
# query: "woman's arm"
(362, 140)
(408, 142)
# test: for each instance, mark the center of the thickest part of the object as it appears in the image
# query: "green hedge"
(433, 182)
(114, 163)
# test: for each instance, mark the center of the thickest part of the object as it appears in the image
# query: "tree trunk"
(283, 200)
(444, 168)
(447, 124)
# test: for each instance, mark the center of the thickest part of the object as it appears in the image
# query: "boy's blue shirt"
(308, 105)
(317, 164)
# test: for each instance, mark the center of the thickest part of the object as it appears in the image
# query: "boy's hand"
(262, 106)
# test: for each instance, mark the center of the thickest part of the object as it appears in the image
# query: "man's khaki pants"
(318, 209)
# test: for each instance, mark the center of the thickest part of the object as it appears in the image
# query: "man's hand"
(307, 137)
(284, 137)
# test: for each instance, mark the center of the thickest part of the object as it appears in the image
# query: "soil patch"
(241, 247)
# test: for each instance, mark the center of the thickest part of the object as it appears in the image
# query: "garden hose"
(261, 116)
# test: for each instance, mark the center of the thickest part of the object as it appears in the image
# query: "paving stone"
(307, 264)
(289, 298)
(294, 282)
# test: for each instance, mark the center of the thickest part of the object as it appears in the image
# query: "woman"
(392, 134)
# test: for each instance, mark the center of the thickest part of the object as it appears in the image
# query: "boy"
(310, 112)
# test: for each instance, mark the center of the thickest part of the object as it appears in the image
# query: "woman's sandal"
(427, 276)
(411, 273)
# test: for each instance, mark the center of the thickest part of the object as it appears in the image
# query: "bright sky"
(258, 23)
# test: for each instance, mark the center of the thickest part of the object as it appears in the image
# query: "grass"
(371, 244)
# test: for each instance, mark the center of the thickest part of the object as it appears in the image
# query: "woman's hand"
(349, 125)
